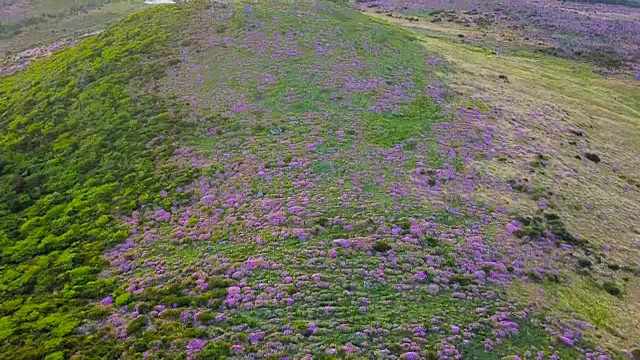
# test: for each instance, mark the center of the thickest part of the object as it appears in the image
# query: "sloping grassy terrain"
(278, 180)
(80, 134)
(552, 112)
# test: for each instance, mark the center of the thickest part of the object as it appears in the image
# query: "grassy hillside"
(80, 134)
(560, 110)
(304, 180)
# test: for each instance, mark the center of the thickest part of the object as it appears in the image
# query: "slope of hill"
(80, 134)
(303, 180)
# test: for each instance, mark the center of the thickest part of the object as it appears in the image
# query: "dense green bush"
(76, 153)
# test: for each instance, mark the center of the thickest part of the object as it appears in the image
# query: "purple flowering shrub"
(325, 142)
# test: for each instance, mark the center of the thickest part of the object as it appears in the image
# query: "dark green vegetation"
(78, 140)
(535, 227)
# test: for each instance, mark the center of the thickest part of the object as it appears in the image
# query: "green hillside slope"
(80, 137)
